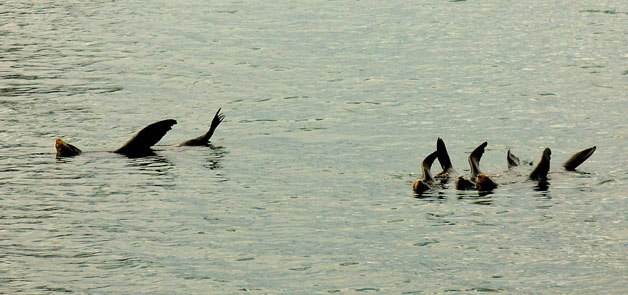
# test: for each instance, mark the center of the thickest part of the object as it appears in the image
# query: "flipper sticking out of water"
(542, 168)
(578, 158)
(141, 144)
(513, 161)
(426, 182)
(203, 140)
(482, 181)
(445, 161)
(571, 164)
(474, 159)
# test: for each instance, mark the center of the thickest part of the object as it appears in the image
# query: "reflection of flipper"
(542, 168)
(65, 149)
(421, 185)
(141, 143)
(474, 159)
(204, 139)
(578, 158)
(512, 160)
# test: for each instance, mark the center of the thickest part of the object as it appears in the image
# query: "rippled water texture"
(330, 107)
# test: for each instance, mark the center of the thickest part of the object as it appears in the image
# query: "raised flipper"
(141, 143)
(444, 160)
(421, 185)
(578, 158)
(474, 160)
(513, 161)
(203, 140)
(542, 168)
(65, 149)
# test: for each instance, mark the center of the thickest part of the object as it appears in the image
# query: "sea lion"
(481, 180)
(571, 164)
(425, 183)
(65, 149)
(541, 169)
(140, 145)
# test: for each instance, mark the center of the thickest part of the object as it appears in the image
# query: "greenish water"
(331, 106)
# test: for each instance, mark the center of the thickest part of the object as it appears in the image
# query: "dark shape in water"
(512, 160)
(203, 140)
(481, 180)
(65, 149)
(578, 158)
(445, 161)
(425, 183)
(140, 145)
(542, 168)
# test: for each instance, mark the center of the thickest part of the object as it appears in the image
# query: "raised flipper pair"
(140, 145)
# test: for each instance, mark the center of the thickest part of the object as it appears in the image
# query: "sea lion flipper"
(542, 168)
(474, 159)
(423, 184)
(426, 166)
(578, 158)
(513, 160)
(204, 139)
(65, 149)
(443, 156)
(141, 143)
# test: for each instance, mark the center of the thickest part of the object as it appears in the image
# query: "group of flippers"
(141, 144)
(479, 180)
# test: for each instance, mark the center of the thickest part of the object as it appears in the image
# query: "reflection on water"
(213, 161)
(542, 186)
(482, 198)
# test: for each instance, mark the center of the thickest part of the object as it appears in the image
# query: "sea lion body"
(141, 144)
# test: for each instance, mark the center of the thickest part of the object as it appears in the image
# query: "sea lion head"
(65, 149)
(420, 186)
(463, 183)
(484, 183)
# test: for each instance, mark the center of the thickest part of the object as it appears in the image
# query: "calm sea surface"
(330, 108)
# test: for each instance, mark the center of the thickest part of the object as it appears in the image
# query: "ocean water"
(330, 108)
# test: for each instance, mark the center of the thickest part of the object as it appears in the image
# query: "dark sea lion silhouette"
(141, 144)
(445, 162)
(203, 140)
(512, 159)
(541, 169)
(578, 158)
(425, 183)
